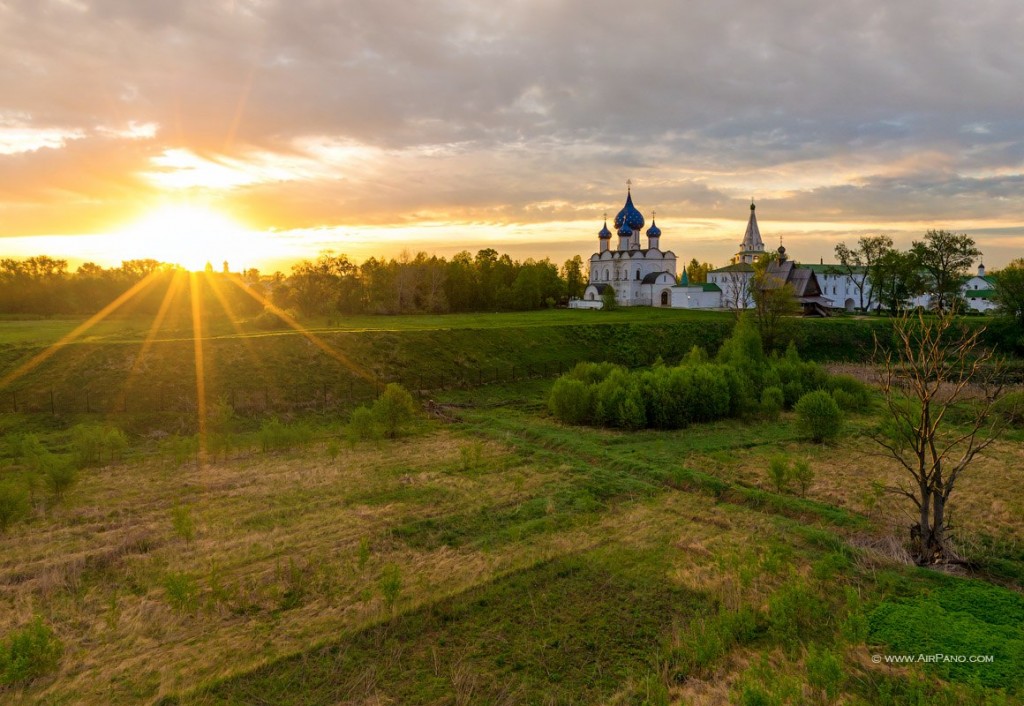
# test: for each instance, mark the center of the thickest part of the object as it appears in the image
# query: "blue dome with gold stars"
(604, 232)
(629, 216)
(654, 231)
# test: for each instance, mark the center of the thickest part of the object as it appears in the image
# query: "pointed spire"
(752, 237)
(684, 281)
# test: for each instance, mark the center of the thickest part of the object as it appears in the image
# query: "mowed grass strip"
(570, 631)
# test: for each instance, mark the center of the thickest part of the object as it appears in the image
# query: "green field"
(492, 555)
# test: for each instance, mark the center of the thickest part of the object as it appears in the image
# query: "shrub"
(391, 586)
(91, 444)
(592, 373)
(802, 475)
(696, 356)
(181, 448)
(1011, 408)
(778, 471)
(571, 400)
(362, 425)
(850, 393)
(29, 451)
(792, 391)
(275, 435)
(29, 653)
(268, 321)
(394, 409)
(818, 416)
(772, 402)
(825, 672)
(620, 402)
(13, 503)
(181, 520)
(708, 397)
(182, 591)
(60, 476)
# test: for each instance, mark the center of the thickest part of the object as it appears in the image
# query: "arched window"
(638, 274)
(664, 298)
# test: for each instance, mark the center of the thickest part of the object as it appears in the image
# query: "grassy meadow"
(491, 555)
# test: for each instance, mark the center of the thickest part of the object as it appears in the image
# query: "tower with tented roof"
(752, 247)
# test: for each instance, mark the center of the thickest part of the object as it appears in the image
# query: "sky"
(265, 131)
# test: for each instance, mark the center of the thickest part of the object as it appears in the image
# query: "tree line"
(889, 279)
(487, 281)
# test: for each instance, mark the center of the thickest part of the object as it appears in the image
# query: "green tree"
(774, 300)
(944, 257)
(608, 298)
(697, 272)
(858, 264)
(1009, 286)
(895, 280)
(572, 273)
(394, 409)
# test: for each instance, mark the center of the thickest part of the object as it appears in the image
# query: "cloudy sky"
(440, 125)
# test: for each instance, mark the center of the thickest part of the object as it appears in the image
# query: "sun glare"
(190, 236)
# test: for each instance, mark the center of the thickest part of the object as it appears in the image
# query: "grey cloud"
(536, 101)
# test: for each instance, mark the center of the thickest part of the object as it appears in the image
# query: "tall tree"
(895, 280)
(697, 272)
(944, 257)
(929, 369)
(1009, 286)
(858, 264)
(572, 273)
(774, 300)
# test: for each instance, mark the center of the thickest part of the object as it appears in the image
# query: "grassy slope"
(534, 563)
(288, 369)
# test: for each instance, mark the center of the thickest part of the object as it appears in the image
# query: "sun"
(187, 235)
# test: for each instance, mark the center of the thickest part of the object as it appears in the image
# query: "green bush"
(29, 653)
(60, 475)
(802, 475)
(182, 591)
(267, 320)
(362, 426)
(818, 416)
(13, 502)
(181, 520)
(571, 400)
(850, 393)
(91, 444)
(277, 436)
(707, 395)
(619, 402)
(1011, 408)
(778, 471)
(772, 402)
(592, 373)
(825, 672)
(394, 409)
(29, 451)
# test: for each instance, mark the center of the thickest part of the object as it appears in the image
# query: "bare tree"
(933, 364)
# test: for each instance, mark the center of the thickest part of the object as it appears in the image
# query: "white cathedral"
(641, 276)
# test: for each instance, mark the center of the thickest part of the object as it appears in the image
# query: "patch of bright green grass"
(514, 639)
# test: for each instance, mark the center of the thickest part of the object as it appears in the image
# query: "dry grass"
(275, 564)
